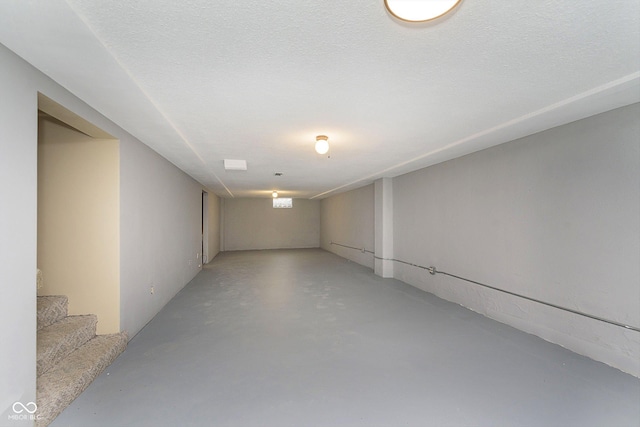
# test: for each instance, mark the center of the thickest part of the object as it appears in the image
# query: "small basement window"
(283, 203)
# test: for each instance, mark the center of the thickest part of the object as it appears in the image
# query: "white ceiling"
(201, 81)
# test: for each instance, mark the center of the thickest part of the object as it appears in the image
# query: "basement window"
(283, 203)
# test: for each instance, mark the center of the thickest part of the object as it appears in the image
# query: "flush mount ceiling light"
(322, 144)
(235, 165)
(275, 194)
(419, 10)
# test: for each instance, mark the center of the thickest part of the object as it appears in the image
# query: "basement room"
(366, 213)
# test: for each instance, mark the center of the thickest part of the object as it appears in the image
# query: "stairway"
(69, 356)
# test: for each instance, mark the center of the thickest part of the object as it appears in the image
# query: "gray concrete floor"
(305, 338)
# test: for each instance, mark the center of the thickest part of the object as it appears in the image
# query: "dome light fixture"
(419, 10)
(322, 144)
(275, 194)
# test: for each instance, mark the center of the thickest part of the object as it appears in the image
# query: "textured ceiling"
(201, 81)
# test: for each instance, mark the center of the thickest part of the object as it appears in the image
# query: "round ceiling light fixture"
(322, 144)
(419, 10)
(275, 194)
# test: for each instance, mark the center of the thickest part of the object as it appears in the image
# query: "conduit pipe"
(432, 270)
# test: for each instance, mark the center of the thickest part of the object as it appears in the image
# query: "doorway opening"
(205, 227)
(79, 214)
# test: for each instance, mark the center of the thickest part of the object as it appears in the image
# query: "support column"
(384, 227)
(222, 209)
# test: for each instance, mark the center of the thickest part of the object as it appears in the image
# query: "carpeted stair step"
(62, 384)
(51, 308)
(58, 340)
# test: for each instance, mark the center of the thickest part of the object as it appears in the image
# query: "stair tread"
(56, 341)
(50, 309)
(57, 388)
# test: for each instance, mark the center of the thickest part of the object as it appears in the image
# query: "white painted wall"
(253, 223)
(18, 185)
(158, 202)
(554, 216)
(161, 233)
(348, 219)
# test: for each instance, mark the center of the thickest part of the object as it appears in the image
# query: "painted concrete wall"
(158, 202)
(79, 221)
(161, 233)
(348, 219)
(253, 223)
(18, 221)
(554, 216)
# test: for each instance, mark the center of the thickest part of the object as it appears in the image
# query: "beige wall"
(79, 221)
(348, 219)
(255, 224)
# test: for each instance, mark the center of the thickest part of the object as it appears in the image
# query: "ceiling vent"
(235, 165)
